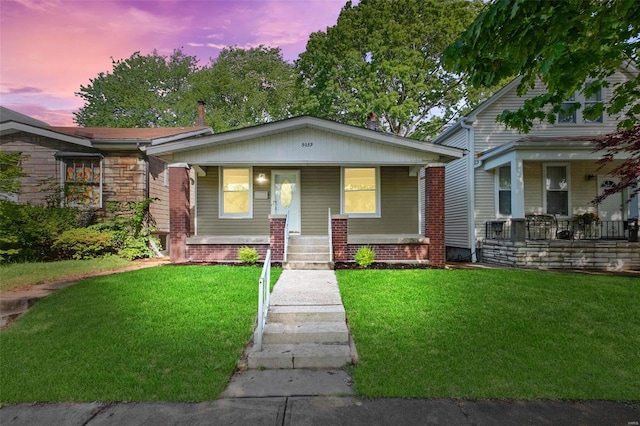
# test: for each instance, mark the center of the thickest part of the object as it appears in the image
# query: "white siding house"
(540, 181)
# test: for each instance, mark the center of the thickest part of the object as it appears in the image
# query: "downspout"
(472, 185)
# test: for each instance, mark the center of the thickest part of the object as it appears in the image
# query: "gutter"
(472, 183)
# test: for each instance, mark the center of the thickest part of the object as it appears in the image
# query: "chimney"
(372, 121)
(200, 120)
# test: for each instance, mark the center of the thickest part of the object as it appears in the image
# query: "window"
(504, 191)
(556, 189)
(571, 111)
(235, 193)
(361, 192)
(82, 181)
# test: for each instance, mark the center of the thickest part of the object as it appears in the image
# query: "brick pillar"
(434, 213)
(276, 236)
(339, 235)
(179, 211)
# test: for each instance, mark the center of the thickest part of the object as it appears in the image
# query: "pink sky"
(49, 48)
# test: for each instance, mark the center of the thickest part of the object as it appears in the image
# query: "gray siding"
(320, 190)
(457, 202)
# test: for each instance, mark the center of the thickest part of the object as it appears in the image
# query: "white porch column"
(517, 188)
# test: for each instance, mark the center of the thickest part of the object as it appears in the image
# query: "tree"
(571, 46)
(142, 91)
(11, 171)
(245, 88)
(623, 141)
(384, 57)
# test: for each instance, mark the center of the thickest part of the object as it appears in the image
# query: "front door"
(611, 207)
(285, 191)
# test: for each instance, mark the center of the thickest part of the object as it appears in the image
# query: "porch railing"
(330, 238)
(549, 228)
(286, 238)
(264, 292)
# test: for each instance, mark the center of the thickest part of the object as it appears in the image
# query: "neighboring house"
(93, 165)
(303, 177)
(515, 199)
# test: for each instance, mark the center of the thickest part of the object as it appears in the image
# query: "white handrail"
(330, 239)
(264, 292)
(286, 238)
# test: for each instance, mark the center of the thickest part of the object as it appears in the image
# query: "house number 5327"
(307, 144)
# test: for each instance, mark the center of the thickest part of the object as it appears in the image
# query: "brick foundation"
(392, 252)
(225, 253)
(434, 214)
(339, 235)
(276, 237)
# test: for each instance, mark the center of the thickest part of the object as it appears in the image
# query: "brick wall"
(276, 237)
(339, 237)
(179, 212)
(393, 252)
(560, 254)
(434, 214)
(226, 253)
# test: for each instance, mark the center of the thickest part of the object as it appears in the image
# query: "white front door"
(285, 196)
(612, 206)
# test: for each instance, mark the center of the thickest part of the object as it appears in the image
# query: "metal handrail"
(264, 292)
(286, 238)
(330, 239)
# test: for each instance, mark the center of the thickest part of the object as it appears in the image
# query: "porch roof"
(567, 148)
(304, 140)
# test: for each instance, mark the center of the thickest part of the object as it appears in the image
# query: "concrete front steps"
(308, 252)
(306, 325)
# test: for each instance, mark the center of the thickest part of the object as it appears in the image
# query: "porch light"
(262, 177)
(590, 177)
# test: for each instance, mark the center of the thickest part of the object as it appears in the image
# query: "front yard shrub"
(27, 232)
(83, 243)
(137, 247)
(248, 255)
(365, 256)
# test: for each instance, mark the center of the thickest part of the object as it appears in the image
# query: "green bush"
(137, 247)
(248, 255)
(83, 243)
(365, 256)
(27, 232)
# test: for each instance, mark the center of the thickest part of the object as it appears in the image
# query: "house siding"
(40, 165)
(319, 190)
(159, 188)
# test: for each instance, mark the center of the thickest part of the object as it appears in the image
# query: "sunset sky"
(49, 48)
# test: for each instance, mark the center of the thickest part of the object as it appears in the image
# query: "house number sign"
(307, 144)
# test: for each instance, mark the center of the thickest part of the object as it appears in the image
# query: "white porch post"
(517, 188)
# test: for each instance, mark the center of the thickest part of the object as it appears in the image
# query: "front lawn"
(494, 334)
(171, 333)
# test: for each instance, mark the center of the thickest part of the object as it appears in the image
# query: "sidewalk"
(301, 411)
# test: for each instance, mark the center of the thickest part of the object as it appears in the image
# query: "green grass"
(171, 333)
(17, 274)
(494, 334)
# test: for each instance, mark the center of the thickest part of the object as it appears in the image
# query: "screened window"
(504, 191)
(82, 181)
(590, 101)
(361, 192)
(557, 190)
(235, 194)
(569, 111)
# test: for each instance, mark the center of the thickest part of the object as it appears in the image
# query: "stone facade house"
(93, 165)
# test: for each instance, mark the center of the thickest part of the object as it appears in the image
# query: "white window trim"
(63, 179)
(497, 192)
(377, 214)
(544, 187)
(581, 99)
(221, 213)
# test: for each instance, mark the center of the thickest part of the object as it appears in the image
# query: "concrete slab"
(295, 287)
(355, 411)
(274, 383)
(300, 356)
(49, 414)
(308, 332)
(220, 412)
(298, 314)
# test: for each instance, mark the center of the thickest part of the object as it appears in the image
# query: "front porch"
(545, 243)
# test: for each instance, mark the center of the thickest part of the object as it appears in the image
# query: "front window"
(361, 192)
(235, 193)
(572, 110)
(557, 190)
(504, 191)
(82, 181)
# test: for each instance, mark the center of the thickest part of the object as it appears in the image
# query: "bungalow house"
(525, 200)
(94, 165)
(304, 180)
